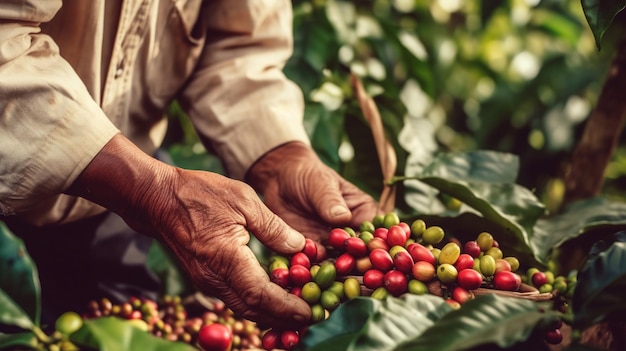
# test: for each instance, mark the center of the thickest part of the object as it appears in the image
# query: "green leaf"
(576, 220)
(481, 166)
(26, 340)
(487, 319)
(164, 265)
(367, 324)
(484, 181)
(325, 129)
(600, 15)
(12, 314)
(600, 286)
(19, 279)
(115, 334)
(427, 322)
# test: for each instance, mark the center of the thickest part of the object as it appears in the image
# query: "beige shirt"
(75, 72)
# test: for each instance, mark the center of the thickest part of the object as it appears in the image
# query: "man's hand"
(205, 219)
(307, 194)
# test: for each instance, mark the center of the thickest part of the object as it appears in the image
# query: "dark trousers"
(88, 260)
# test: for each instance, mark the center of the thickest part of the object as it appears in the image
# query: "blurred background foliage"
(516, 76)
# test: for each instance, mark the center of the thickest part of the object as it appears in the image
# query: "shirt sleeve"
(50, 127)
(238, 98)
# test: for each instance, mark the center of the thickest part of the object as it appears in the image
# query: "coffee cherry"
(299, 275)
(289, 339)
(318, 313)
(407, 230)
(495, 252)
(390, 219)
(502, 265)
(300, 258)
(373, 279)
(487, 265)
(363, 264)
(554, 336)
(396, 236)
(417, 287)
(447, 273)
(337, 288)
(506, 280)
(472, 248)
(469, 279)
(461, 295)
(513, 262)
(367, 226)
(271, 340)
(403, 262)
(366, 237)
(337, 237)
(377, 243)
(215, 337)
(417, 228)
(380, 293)
(329, 300)
(395, 282)
(311, 293)
(465, 261)
(68, 322)
(310, 249)
(538, 279)
(280, 276)
(326, 274)
(355, 247)
(485, 241)
(381, 260)
(449, 253)
(433, 235)
(381, 233)
(351, 288)
(420, 253)
(423, 271)
(345, 264)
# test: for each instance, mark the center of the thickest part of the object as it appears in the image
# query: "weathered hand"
(205, 219)
(307, 194)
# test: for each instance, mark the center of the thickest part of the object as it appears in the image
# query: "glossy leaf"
(488, 319)
(599, 293)
(115, 334)
(368, 324)
(25, 341)
(578, 219)
(19, 279)
(484, 181)
(427, 323)
(12, 314)
(600, 15)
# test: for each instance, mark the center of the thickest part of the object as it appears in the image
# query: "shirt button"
(118, 72)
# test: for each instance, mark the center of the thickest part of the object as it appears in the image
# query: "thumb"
(331, 206)
(274, 233)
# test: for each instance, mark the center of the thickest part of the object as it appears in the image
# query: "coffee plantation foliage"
(483, 102)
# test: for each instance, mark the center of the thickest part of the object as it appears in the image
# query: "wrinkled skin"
(308, 195)
(206, 219)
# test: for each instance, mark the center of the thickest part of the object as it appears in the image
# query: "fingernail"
(338, 210)
(295, 241)
(300, 318)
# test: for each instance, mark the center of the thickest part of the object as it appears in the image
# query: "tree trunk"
(585, 175)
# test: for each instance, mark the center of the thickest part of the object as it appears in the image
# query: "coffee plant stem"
(40, 334)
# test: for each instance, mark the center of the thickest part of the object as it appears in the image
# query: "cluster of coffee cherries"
(389, 257)
(561, 287)
(211, 327)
